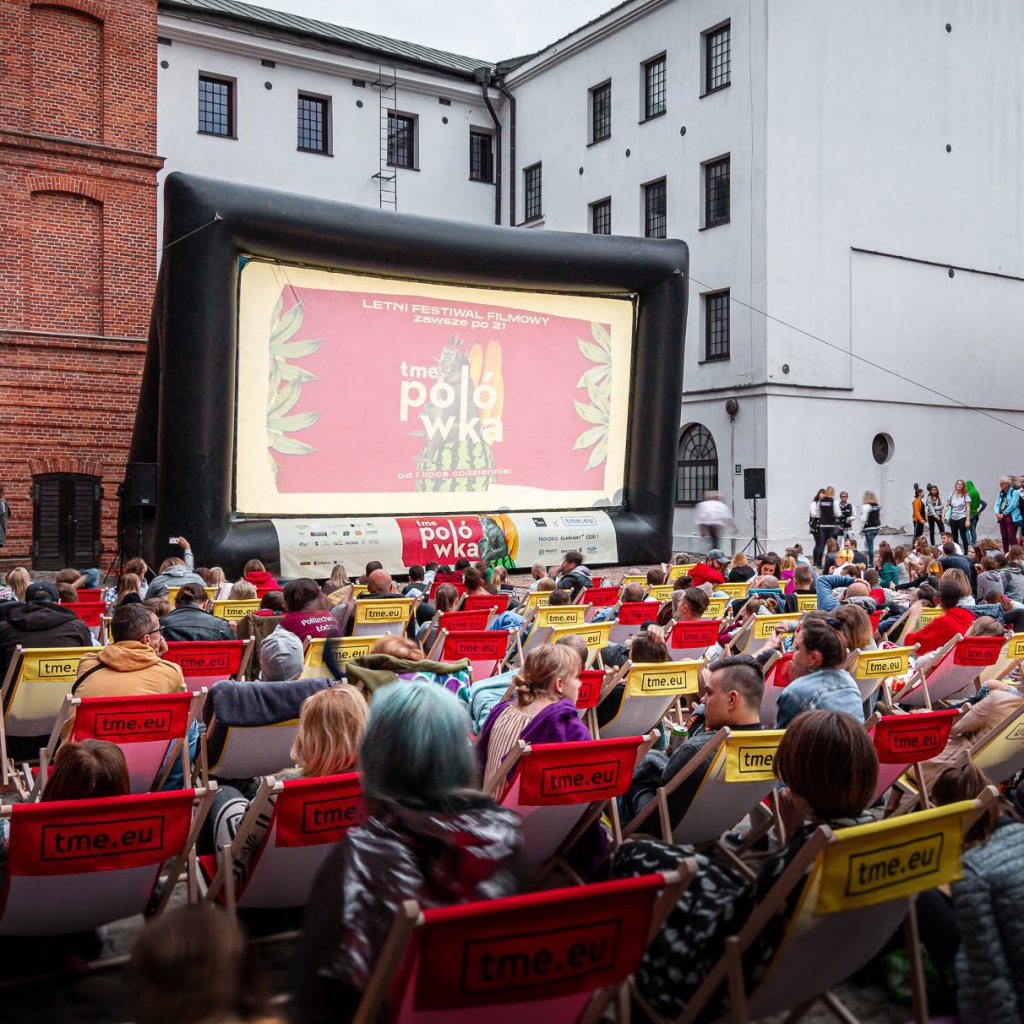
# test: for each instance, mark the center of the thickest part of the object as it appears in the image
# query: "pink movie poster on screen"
(403, 391)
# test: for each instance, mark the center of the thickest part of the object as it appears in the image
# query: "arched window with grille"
(697, 470)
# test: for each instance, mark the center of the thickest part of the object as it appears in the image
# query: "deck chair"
(383, 615)
(777, 676)
(496, 603)
(806, 602)
(205, 662)
(739, 776)
(852, 890)
(595, 685)
(1000, 754)
(675, 571)
(734, 590)
(764, 630)
(953, 671)
(307, 817)
(37, 680)
(90, 612)
(560, 615)
(560, 788)
(535, 599)
(651, 689)
(689, 640)
(599, 598)
(75, 865)
(660, 592)
(235, 610)
(716, 608)
(150, 729)
(632, 615)
(453, 622)
(485, 649)
(595, 636)
(344, 648)
(91, 594)
(902, 742)
(1011, 656)
(557, 957)
(634, 577)
(211, 592)
(250, 727)
(871, 668)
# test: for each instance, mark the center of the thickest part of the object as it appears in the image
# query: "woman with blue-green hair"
(429, 835)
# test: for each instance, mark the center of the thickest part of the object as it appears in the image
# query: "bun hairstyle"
(543, 666)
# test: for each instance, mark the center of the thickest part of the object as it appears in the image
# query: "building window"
(601, 112)
(654, 87)
(481, 156)
(716, 325)
(697, 469)
(655, 201)
(216, 106)
(716, 192)
(313, 123)
(532, 189)
(717, 57)
(401, 140)
(601, 217)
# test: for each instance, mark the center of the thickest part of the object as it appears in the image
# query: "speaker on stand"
(754, 488)
(136, 495)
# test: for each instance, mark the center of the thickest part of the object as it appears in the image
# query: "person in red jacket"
(711, 569)
(255, 572)
(941, 630)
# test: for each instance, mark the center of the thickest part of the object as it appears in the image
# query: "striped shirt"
(507, 728)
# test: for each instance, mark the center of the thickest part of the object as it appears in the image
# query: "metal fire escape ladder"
(387, 176)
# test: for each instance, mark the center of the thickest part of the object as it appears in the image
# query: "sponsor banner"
(869, 864)
(314, 811)
(684, 570)
(476, 645)
(561, 615)
(734, 590)
(71, 837)
(462, 621)
(928, 615)
(382, 611)
(312, 547)
(881, 664)
(601, 597)
(716, 608)
(806, 602)
(750, 757)
(452, 420)
(670, 678)
(907, 739)
(345, 647)
(635, 613)
(661, 593)
(764, 625)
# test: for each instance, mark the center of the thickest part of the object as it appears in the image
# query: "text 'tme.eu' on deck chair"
(151, 730)
(557, 957)
(740, 774)
(558, 789)
(307, 817)
(651, 689)
(205, 662)
(688, 640)
(849, 891)
(485, 649)
(75, 865)
(343, 649)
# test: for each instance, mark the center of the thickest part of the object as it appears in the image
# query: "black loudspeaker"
(753, 484)
(140, 484)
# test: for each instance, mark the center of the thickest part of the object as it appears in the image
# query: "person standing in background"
(712, 517)
(872, 515)
(5, 514)
(813, 522)
(918, 512)
(846, 514)
(1008, 513)
(977, 506)
(957, 512)
(933, 510)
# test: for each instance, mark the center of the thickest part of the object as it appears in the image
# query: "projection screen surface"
(363, 395)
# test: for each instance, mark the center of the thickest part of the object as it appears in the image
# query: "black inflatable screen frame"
(185, 417)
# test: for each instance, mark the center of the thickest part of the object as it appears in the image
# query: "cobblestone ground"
(104, 998)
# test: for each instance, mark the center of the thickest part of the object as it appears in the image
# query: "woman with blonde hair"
(219, 580)
(243, 590)
(872, 516)
(957, 513)
(18, 580)
(739, 570)
(543, 709)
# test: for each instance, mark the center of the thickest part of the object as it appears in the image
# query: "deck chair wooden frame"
(652, 690)
(954, 669)
(1000, 753)
(338, 796)
(211, 660)
(870, 669)
(122, 710)
(831, 932)
(724, 797)
(574, 910)
(57, 902)
(591, 695)
(1011, 657)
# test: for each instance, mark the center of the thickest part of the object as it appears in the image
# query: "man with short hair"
(803, 583)
(732, 697)
(40, 622)
(416, 584)
(539, 571)
(818, 680)
(692, 604)
(379, 584)
(191, 618)
(951, 560)
(947, 538)
(711, 570)
(941, 630)
(573, 574)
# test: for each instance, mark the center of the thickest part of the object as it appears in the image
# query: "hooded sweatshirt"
(175, 576)
(577, 580)
(1013, 582)
(262, 579)
(40, 624)
(126, 669)
(438, 856)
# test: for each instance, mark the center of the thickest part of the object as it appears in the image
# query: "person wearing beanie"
(40, 622)
(281, 656)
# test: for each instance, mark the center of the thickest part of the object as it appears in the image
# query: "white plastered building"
(849, 178)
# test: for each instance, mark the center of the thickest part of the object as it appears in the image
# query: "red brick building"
(78, 196)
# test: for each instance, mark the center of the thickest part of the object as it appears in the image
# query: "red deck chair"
(150, 729)
(91, 594)
(955, 669)
(560, 788)
(74, 865)
(902, 742)
(776, 679)
(598, 598)
(485, 649)
(204, 662)
(556, 957)
(596, 581)
(455, 622)
(689, 640)
(484, 603)
(876, 619)
(90, 612)
(632, 615)
(307, 817)
(595, 684)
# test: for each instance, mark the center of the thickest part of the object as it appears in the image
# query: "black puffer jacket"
(40, 624)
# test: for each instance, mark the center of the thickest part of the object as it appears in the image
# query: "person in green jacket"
(978, 505)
